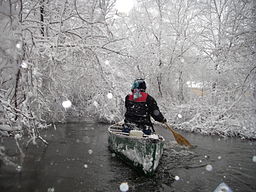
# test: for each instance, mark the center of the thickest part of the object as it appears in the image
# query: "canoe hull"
(142, 153)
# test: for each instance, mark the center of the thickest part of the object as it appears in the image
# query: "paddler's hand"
(164, 120)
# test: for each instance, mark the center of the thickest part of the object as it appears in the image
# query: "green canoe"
(141, 151)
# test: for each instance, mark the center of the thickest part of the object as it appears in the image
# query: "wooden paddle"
(178, 137)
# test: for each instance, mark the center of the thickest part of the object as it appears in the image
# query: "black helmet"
(139, 84)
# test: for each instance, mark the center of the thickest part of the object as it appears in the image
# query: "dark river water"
(77, 159)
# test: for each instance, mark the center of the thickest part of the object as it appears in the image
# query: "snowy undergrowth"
(200, 118)
(213, 120)
(107, 108)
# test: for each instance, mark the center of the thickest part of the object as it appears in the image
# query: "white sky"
(125, 5)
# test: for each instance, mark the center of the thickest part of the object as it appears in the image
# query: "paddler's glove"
(164, 120)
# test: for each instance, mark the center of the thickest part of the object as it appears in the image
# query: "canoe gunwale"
(124, 134)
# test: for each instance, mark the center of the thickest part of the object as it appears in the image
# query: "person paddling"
(140, 106)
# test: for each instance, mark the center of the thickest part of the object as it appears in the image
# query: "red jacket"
(140, 110)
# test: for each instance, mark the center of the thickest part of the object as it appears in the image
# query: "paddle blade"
(178, 137)
(181, 140)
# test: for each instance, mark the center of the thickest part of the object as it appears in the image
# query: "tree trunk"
(180, 91)
(42, 17)
(159, 83)
(16, 92)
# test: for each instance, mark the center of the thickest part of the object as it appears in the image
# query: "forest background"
(197, 57)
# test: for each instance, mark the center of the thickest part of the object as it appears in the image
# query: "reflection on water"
(77, 159)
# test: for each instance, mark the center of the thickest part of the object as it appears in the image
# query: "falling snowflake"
(180, 116)
(223, 188)
(109, 95)
(17, 136)
(156, 112)
(95, 103)
(113, 154)
(107, 62)
(19, 168)
(219, 157)
(90, 151)
(208, 167)
(19, 45)
(124, 187)
(85, 166)
(24, 65)
(51, 189)
(66, 104)
(254, 158)
(177, 178)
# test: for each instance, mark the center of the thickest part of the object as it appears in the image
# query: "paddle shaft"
(169, 127)
(178, 137)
